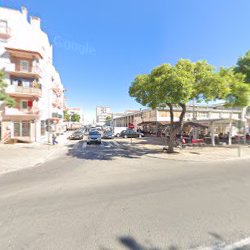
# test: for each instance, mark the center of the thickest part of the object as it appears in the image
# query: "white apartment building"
(101, 114)
(26, 57)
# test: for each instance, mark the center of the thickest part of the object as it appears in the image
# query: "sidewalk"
(24, 155)
(190, 154)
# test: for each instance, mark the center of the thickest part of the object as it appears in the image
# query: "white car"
(94, 137)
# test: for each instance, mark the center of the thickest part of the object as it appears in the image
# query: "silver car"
(94, 137)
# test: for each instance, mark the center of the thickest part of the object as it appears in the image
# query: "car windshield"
(94, 133)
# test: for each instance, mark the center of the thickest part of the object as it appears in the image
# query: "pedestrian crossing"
(104, 144)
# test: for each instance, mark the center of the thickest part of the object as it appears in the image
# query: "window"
(26, 129)
(24, 65)
(19, 83)
(3, 26)
(21, 129)
(23, 104)
(17, 131)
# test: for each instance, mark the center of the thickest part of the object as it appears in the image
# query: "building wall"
(26, 35)
(102, 113)
(199, 113)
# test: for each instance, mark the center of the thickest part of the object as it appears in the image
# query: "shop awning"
(153, 123)
(167, 123)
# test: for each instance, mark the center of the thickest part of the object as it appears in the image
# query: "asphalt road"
(107, 197)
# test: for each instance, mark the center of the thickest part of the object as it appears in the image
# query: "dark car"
(78, 135)
(108, 135)
(130, 133)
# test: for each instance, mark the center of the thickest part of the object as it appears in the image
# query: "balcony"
(22, 91)
(16, 71)
(5, 33)
(57, 104)
(33, 72)
(17, 114)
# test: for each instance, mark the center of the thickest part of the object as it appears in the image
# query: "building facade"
(101, 114)
(26, 57)
(151, 120)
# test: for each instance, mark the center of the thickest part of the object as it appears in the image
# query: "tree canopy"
(66, 116)
(176, 85)
(3, 96)
(108, 118)
(185, 81)
(75, 117)
(243, 66)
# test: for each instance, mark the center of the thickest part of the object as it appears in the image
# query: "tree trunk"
(175, 128)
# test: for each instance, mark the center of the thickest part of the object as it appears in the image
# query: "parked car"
(117, 130)
(108, 135)
(130, 133)
(94, 137)
(78, 135)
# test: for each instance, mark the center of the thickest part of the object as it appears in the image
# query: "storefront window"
(26, 129)
(21, 129)
(17, 131)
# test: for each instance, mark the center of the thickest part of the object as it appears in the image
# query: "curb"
(204, 161)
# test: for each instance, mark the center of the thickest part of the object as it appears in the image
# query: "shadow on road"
(96, 152)
(131, 243)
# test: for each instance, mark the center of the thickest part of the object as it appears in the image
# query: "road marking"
(106, 144)
(116, 143)
(237, 245)
(84, 145)
(75, 147)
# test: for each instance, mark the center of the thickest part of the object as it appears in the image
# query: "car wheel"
(125, 136)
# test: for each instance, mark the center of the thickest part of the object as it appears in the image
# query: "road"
(107, 197)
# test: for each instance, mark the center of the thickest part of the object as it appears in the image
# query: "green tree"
(108, 118)
(3, 96)
(243, 66)
(66, 116)
(175, 86)
(75, 117)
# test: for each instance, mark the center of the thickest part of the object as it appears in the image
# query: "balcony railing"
(19, 112)
(15, 69)
(24, 91)
(35, 70)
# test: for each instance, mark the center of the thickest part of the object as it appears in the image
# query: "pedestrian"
(54, 141)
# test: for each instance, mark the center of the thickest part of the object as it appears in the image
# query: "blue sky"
(100, 46)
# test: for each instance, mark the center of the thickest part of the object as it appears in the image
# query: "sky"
(100, 46)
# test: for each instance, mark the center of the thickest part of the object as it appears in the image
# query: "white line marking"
(75, 146)
(116, 143)
(106, 145)
(223, 246)
(84, 145)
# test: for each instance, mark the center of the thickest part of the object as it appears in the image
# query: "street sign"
(131, 126)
